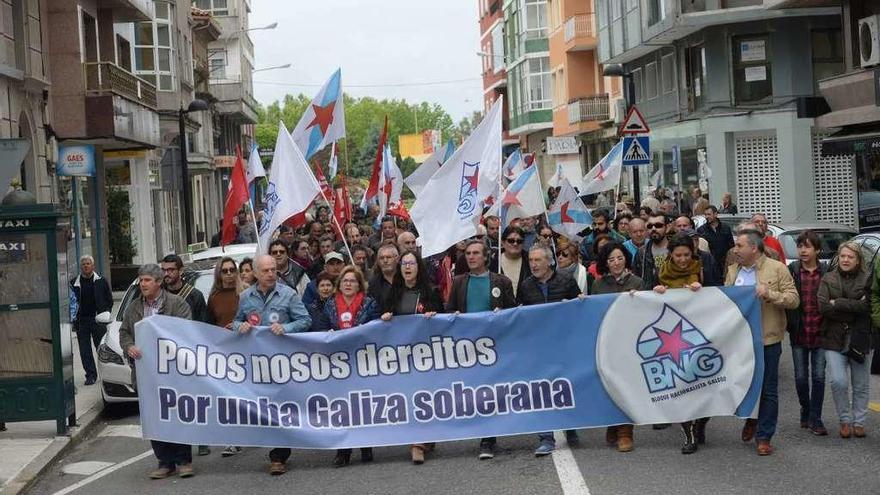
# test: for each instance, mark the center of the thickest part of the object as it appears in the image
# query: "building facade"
(494, 70)
(718, 82)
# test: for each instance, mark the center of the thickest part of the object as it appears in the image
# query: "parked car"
(237, 252)
(869, 209)
(869, 242)
(831, 236)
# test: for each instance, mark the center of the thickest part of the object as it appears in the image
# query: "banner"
(605, 360)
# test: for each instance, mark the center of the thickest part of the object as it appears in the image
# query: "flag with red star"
(605, 175)
(390, 182)
(323, 122)
(521, 198)
(568, 215)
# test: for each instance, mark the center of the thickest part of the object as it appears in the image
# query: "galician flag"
(448, 209)
(606, 174)
(569, 215)
(520, 199)
(390, 182)
(324, 119)
(292, 185)
(516, 163)
(420, 176)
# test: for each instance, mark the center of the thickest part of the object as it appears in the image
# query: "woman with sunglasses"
(349, 307)
(568, 262)
(412, 294)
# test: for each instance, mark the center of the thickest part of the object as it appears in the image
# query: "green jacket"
(875, 297)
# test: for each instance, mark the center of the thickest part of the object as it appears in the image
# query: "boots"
(625, 438)
(690, 438)
(700, 430)
(611, 436)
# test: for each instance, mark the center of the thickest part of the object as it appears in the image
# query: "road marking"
(85, 468)
(874, 406)
(103, 472)
(570, 476)
(133, 431)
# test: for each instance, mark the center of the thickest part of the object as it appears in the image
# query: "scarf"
(676, 278)
(346, 315)
(303, 262)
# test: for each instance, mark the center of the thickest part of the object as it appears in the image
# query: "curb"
(60, 446)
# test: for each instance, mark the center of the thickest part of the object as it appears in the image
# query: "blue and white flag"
(606, 360)
(568, 215)
(324, 119)
(606, 174)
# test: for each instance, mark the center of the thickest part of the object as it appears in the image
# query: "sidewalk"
(27, 448)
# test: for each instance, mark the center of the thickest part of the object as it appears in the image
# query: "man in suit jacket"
(480, 290)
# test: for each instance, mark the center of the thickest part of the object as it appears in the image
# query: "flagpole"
(546, 217)
(254, 220)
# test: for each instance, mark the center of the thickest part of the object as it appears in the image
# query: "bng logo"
(673, 350)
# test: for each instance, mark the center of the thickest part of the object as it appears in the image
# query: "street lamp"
(629, 97)
(261, 28)
(194, 106)
(285, 66)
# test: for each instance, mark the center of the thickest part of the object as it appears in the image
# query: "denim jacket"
(282, 306)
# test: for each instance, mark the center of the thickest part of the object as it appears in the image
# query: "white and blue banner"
(605, 360)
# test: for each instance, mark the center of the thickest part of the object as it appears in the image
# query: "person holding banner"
(775, 288)
(154, 300)
(683, 269)
(383, 273)
(326, 287)
(476, 291)
(412, 294)
(614, 265)
(349, 307)
(277, 308)
(545, 285)
(512, 262)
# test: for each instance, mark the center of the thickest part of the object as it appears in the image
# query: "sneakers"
(204, 450)
(231, 451)
(277, 468)
(690, 438)
(161, 473)
(185, 470)
(487, 450)
(544, 449)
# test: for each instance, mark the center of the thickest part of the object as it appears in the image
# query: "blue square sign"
(636, 151)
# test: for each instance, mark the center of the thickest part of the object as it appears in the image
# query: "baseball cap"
(333, 255)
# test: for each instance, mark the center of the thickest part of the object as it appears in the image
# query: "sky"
(382, 46)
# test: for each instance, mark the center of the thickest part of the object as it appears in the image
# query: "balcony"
(234, 100)
(129, 10)
(588, 109)
(109, 78)
(851, 98)
(579, 33)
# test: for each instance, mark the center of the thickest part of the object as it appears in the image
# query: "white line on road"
(102, 473)
(570, 476)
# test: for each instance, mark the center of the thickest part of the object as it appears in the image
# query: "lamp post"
(194, 106)
(629, 97)
(261, 69)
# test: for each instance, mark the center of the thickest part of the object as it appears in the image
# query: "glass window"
(656, 11)
(539, 80)
(639, 83)
(667, 70)
(827, 47)
(536, 18)
(751, 72)
(695, 74)
(154, 49)
(497, 58)
(651, 80)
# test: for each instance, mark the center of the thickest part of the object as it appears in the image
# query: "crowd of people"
(312, 279)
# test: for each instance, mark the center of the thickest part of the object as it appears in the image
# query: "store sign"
(752, 51)
(14, 224)
(563, 146)
(78, 160)
(224, 161)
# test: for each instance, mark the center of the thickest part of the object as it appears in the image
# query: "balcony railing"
(588, 109)
(578, 25)
(107, 77)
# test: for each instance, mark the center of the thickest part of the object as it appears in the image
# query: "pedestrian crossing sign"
(636, 150)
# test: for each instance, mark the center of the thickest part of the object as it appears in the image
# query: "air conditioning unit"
(869, 40)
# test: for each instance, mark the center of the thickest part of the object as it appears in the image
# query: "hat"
(333, 255)
(689, 233)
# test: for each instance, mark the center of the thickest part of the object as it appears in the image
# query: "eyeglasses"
(349, 281)
(408, 263)
(546, 236)
(228, 271)
(656, 225)
(562, 254)
(514, 241)
(276, 251)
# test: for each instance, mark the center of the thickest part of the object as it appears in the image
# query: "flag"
(606, 174)
(520, 199)
(326, 190)
(292, 186)
(372, 191)
(255, 168)
(236, 197)
(657, 179)
(342, 204)
(516, 163)
(323, 122)
(390, 182)
(449, 208)
(334, 162)
(420, 176)
(557, 178)
(398, 210)
(569, 215)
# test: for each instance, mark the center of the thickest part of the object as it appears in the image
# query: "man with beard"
(652, 255)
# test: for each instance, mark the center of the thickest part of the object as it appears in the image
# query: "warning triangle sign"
(635, 153)
(635, 123)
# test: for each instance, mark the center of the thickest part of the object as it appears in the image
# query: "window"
(616, 11)
(651, 80)
(560, 94)
(602, 13)
(751, 72)
(639, 84)
(827, 48)
(656, 11)
(540, 95)
(536, 19)
(217, 7)
(217, 65)
(497, 59)
(695, 75)
(154, 50)
(667, 72)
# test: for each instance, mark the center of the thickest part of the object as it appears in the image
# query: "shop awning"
(851, 142)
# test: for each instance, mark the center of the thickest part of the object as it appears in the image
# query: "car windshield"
(829, 241)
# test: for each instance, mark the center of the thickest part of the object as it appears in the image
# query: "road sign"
(636, 150)
(634, 123)
(676, 158)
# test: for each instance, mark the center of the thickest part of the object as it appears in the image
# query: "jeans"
(172, 454)
(768, 411)
(840, 376)
(809, 379)
(547, 436)
(88, 331)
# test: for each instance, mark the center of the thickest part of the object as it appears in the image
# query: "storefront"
(864, 146)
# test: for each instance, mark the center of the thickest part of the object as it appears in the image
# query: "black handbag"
(857, 342)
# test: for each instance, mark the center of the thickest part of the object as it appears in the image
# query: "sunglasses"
(656, 225)
(546, 236)
(514, 241)
(275, 251)
(562, 254)
(227, 271)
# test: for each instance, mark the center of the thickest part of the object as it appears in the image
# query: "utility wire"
(393, 85)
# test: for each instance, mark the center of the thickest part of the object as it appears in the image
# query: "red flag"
(342, 204)
(373, 188)
(398, 210)
(296, 221)
(326, 190)
(236, 197)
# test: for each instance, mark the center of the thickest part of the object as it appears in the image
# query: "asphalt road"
(802, 464)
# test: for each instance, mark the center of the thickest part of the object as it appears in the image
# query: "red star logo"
(323, 117)
(472, 181)
(563, 211)
(510, 199)
(672, 343)
(389, 185)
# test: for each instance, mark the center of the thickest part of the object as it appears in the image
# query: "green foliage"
(122, 248)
